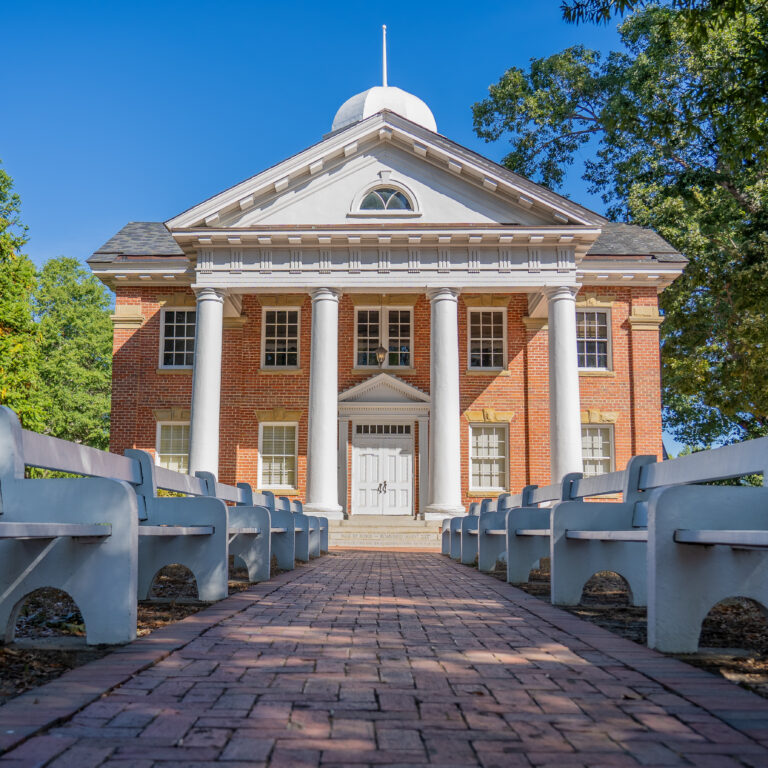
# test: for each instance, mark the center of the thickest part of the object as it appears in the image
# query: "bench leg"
(302, 538)
(206, 556)
(524, 552)
(468, 541)
(314, 536)
(574, 562)
(324, 536)
(685, 581)
(100, 576)
(491, 549)
(283, 545)
(455, 541)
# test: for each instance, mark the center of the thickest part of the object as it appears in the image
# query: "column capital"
(210, 294)
(325, 294)
(443, 294)
(557, 292)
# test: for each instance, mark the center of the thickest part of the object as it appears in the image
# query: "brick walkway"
(406, 659)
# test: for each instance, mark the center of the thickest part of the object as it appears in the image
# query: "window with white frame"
(389, 327)
(177, 338)
(385, 199)
(488, 457)
(487, 338)
(597, 449)
(172, 448)
(593, 339)
(278, 455)
(280, 338)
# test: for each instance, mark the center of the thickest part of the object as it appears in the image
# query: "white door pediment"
(384, 389)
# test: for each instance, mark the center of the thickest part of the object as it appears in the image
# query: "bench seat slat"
(628, 535)
(9, 530)
(495, 532)
(175, 530)
(278, 530)
(472, 531)
(532, 532)
(726, 538)
(245, 530)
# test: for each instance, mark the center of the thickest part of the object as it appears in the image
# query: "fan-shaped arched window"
(385, 199)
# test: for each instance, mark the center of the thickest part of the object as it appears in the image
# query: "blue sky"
(117, 112)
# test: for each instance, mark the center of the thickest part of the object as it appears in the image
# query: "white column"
(444, 433)
(564, 403)
(322, 453)
(206, 383)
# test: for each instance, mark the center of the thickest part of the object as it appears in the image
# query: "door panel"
(382, 474)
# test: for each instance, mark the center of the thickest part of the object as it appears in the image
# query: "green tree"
(20, 386)
(676, 134)
(72, 310)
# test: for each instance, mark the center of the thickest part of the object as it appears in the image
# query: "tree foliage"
(675, 127)
(55, 338)
(72, 310)
(20, 385)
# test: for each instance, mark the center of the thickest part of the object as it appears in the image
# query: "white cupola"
(381, 97)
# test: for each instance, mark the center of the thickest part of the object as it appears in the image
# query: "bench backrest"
(725, 463)
(20, 448)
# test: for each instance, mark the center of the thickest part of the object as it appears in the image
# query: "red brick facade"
(627, 396)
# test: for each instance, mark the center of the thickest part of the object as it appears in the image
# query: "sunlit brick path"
(386, 658)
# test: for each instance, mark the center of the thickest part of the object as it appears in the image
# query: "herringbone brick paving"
(407, 659)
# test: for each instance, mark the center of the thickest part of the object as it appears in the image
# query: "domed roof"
(380, 97)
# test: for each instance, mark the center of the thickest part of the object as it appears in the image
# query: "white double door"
(382, 471)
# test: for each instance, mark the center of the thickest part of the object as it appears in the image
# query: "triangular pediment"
(384, 388)
(322, 186)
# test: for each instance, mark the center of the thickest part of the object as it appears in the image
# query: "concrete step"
(384, 531)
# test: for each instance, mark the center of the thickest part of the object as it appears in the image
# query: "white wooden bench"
(468, 532)
(528, 528)
(699, 544)
(79, 535)
(451, 532)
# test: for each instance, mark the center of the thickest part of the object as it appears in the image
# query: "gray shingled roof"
(631, 240)
(139, 238)
(151, 238)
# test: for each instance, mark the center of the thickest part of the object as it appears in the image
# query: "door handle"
(384, 487)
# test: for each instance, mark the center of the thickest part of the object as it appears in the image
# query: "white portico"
(384, 209)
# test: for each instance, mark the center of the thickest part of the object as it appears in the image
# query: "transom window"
(597, 450)
(385, 199)
(177, 343)
(278, 456)
(487, 336)
(172, 451)
(488, 457)
(592, 339)
(281, 338)
(394, 334)
(383, 429)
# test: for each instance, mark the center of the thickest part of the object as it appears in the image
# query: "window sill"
(164, 371)
(488, 372)
(373, 369)
(489, 494)
(285, 371)
(596, 372)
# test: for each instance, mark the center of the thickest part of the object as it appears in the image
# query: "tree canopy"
(20, 384)
(72, 311)
(55, 338)
(675, 131)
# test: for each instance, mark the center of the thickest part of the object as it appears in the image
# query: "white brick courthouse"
(387, 323)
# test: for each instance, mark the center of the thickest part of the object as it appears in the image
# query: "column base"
(331, 511)
(441, 511)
